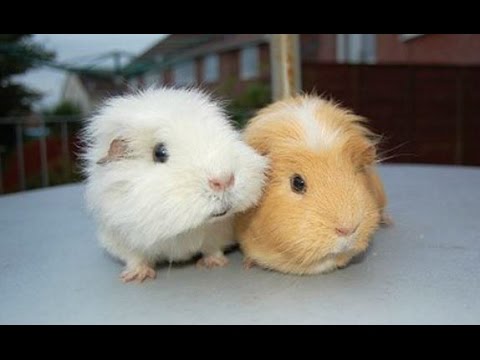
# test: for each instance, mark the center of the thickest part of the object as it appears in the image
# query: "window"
(184, 73)
(211, 68)
(369, 48)
(356, 48)
(249, 63)
(153, 78)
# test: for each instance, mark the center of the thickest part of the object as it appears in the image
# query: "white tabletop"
(424, 270)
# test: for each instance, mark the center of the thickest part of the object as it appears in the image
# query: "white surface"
(423, 270)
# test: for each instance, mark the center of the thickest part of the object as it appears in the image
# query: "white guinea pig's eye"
(298, 184)
(160, 153)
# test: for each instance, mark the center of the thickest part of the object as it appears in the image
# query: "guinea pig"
(323, 199)
(165, 172)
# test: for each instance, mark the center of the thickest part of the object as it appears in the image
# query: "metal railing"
(22, 128)
(40, 126)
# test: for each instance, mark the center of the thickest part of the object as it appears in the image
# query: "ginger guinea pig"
(323, 199)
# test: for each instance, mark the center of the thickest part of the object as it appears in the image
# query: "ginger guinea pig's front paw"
(248, 263)
(212, 261)
(386, 220)
(343, 260)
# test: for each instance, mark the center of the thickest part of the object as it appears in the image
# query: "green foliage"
(244, 106)
(255, 96)
(65, 108)
(18, 53)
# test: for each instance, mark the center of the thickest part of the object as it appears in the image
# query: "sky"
(78, 48)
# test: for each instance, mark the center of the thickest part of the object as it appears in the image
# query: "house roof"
(178, 47)
(101, 87)
(225, 43)
(177, 42)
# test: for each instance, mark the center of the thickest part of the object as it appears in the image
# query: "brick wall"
(456, 49)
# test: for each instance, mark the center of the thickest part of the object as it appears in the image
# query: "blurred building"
(229, 63)
(86, 91)
(208, 59)
(428, 49)
(211, 60)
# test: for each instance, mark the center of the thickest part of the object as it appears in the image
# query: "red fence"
(428, 114)
(38, 151)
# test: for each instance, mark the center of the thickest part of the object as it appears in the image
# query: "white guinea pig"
(165, 172)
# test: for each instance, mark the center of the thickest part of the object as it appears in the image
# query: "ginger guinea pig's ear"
(258, 142)
(362, 151)
(271, 130)
(266, 132)
(257, 137)
(118, 150)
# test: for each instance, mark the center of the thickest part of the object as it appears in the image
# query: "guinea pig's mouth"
(222, 212)
(219, 214)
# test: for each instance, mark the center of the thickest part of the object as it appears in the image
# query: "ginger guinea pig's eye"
(160, 153)
(298, 184)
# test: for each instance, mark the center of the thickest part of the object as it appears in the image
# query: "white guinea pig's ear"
(118, 150)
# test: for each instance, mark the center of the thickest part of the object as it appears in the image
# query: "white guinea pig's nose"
(221, 184)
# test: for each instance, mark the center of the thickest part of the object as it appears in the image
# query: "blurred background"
(421, 91)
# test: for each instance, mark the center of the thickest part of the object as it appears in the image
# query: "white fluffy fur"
(148, 211)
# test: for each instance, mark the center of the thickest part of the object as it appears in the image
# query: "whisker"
(386, 151)
(383, 159)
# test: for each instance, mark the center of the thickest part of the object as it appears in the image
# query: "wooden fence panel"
(427, 114)
(471, 113)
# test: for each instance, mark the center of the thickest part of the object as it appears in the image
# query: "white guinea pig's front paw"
(138, 273)
(212, 261)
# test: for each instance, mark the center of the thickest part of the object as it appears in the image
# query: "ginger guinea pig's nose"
(346, 230)
(221, 184)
